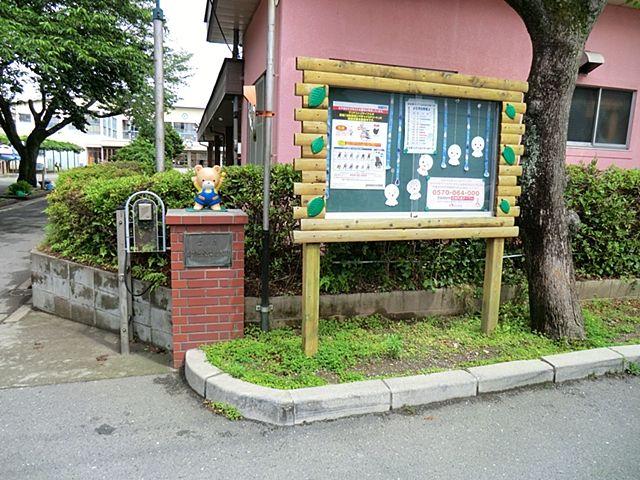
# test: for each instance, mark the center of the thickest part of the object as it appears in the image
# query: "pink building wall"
(469, 36)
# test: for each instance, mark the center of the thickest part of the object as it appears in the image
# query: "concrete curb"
(306, 405)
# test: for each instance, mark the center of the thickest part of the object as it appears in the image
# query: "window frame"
(610, 146)
(256, 147)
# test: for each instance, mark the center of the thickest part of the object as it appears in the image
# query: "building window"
(256, 138)
(24, 117)
(187, 131)
(600, 117)
(110, 127)
(129, 130)
(93, 125)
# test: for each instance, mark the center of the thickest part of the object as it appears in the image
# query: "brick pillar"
(207, 301)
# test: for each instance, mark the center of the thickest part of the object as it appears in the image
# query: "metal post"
(158, 77)
(268, 128)
(236, 116)
(44, 168)
(123, 293)
(235, 53)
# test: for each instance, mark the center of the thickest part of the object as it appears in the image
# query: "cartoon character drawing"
(413, 187)
(391, 192)
(454, 152)
(364, 132)
(425, 162)
(477, 145)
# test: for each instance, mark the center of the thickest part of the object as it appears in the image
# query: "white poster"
(455, 193)
(420, 125)
(358, 145)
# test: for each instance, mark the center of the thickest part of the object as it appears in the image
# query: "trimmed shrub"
(607, 242)
(82, 228)
(82, 208)
(20, 186)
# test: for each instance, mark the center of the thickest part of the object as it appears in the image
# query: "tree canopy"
(77, 57)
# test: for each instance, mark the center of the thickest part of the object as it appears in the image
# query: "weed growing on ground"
(634, 369)
(224, 409)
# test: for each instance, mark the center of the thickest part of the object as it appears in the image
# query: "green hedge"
(82, 227)
(48, 144)
(607, 244)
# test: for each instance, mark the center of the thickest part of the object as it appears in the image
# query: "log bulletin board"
(397, 153)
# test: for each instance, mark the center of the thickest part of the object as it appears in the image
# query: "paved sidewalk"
(41, 349)
(21, 229)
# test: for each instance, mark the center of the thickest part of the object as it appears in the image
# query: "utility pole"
(158, 77)
(265, 307)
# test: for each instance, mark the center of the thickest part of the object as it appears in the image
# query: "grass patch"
(633, 369)
(375, 347)
(225, 410)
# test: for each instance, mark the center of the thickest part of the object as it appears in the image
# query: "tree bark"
(28, 160)
(558, 32)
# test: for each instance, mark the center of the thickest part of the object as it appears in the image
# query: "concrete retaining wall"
(90, 296)
(414, 304)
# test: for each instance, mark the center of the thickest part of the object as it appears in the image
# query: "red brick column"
(207, 302)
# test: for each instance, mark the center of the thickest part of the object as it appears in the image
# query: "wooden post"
(122, 287)
(310, 297)
(492, 284)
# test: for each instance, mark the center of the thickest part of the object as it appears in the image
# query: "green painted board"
(371, 146)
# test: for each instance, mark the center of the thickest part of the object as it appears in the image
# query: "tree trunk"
(28, 160)
(558, 32)
(29, 156)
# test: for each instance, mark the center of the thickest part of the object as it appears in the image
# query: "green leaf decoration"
(504, 206)
(510, 111)
(317, 145)
(509, 155)
(315, 206)
(317, 96)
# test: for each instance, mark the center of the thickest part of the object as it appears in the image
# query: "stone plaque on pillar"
(207, 250)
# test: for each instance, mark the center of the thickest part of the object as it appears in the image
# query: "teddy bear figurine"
(207, 181)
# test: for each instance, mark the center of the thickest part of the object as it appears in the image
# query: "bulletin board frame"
(321, 75)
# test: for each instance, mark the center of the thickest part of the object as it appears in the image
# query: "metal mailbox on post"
(141, 229)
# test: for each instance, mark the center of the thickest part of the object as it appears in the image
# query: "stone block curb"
(581, 364)
(508, 375)
(253, 401)
(306, 405)
(197, 370)
(631, 353)
(340, 400)
(425, 389)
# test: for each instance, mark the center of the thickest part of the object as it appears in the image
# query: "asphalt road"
(21, 229)
(153, 427)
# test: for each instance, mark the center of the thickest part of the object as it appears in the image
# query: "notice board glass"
(392, 155)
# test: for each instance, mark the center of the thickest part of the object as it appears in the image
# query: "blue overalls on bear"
(208, 198)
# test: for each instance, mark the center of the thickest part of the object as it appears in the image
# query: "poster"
(420, 125)
(447, 193)
(358, 145)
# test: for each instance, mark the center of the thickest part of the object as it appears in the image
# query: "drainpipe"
(268, 129)
(236, 98)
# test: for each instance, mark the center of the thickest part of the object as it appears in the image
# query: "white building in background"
(104, 136)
